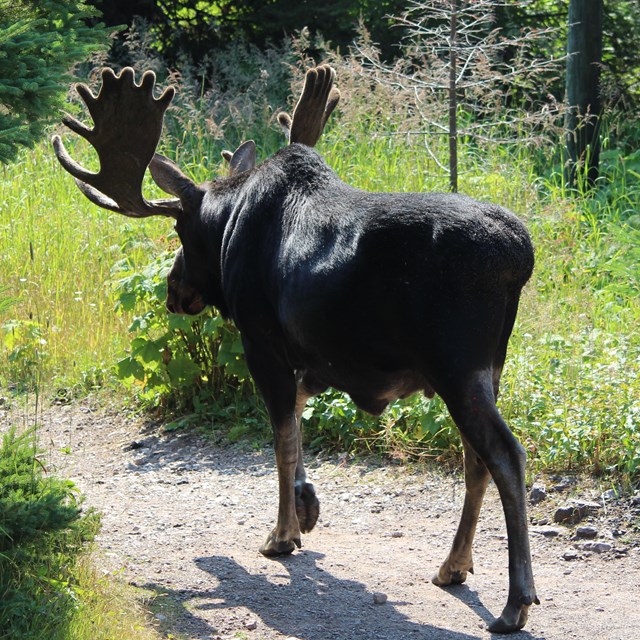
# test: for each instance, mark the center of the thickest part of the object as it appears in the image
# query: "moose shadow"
(309, 603)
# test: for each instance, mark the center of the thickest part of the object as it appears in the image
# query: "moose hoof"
(307, 507)
(514, 616)
(448, 575)
(275, 546)
(512, 619)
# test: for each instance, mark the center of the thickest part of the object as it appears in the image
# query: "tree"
(194, 29)
(466, 78)
(39, 43)
(584, 60)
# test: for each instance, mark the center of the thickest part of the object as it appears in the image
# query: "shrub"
(42, 532)
(175, 360)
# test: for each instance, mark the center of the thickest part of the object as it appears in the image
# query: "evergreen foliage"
(39, 43)
(41, 534)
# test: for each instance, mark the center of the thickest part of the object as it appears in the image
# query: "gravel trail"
(184, 518)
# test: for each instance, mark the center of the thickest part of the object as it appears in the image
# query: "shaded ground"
(184, 519)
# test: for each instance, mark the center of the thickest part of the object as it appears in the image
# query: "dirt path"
(184, 519)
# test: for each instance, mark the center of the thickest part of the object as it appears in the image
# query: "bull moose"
(378, 295)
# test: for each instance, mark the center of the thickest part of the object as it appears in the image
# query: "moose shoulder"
(376, 294)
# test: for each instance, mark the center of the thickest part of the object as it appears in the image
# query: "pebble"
(562, 484)
(587, 505)
(597, 547)
(570, 554)
(538, 493)
(565, 514)
(575, 511)
(379, 598)
(251, 625)
(547, 532)
(587, 532)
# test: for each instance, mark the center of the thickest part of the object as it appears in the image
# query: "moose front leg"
(285, 537)
(277, 384)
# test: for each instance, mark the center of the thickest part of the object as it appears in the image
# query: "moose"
(378, 295)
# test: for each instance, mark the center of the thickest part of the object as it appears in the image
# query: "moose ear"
(284, 120)
(168, 176)
(243, 158)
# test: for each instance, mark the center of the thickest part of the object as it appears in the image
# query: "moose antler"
(127, 126)
(319, 98)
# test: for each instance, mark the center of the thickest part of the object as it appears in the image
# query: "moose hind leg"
(307, 504)
(459, 561)
(485, 431)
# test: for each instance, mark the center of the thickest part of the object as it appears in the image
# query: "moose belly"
(374, 392)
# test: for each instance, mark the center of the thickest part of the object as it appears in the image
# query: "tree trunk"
(453, 99)
(582, 86)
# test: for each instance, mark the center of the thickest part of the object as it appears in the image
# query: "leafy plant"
(27, 350)
(175, 360)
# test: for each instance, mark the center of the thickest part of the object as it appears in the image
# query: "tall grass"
(58, 254)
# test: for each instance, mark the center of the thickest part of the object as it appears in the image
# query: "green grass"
(109, 610)
(58, 254)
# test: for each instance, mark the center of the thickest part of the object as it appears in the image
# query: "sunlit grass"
(109, 610)
(58, 253)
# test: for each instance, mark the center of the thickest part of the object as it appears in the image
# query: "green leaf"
(236, 345)
(130, 368)
(160, 291)
(146, 350)
(182, 369)
(178, 322)
(127, 301)
(213, 325)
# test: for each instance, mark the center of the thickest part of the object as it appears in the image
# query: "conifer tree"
(40, 41)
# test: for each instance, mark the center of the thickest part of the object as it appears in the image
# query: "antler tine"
(127, 126)
(318, 99)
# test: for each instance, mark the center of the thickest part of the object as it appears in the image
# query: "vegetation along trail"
(183, 520)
